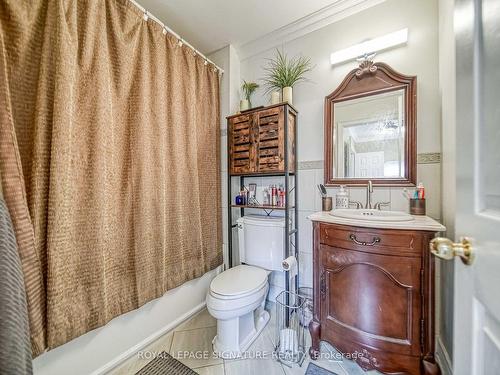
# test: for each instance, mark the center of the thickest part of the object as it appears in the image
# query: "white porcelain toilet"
(237, 296)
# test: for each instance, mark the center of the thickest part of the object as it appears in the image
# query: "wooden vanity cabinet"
(256, 140)
(373, 296)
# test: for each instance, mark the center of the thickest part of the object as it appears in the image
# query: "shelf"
(261, 207)
(262, 108)
(262, 174)
(262, 143)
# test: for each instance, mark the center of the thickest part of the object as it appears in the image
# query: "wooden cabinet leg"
(315, 330)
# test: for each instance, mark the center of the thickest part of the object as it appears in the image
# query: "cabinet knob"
(445, 248)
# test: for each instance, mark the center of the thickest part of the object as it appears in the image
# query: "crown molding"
(340, 9)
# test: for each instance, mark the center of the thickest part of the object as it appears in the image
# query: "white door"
(477, 287)
(369, 164)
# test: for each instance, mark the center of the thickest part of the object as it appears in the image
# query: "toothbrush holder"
(417, 206)
(326, 203)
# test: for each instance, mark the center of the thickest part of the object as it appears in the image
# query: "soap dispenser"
(342, 198)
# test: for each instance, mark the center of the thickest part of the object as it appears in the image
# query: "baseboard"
(117, 361)
(442, 358)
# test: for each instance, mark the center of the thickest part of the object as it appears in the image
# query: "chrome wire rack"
(290, 339)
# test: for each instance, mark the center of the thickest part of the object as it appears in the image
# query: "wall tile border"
(310, 164)
(424, 158)
(429, 158)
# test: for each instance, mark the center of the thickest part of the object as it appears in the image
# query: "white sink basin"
(372, 215)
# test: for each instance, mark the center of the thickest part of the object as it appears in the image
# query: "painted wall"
(104, 348)
(419, 57)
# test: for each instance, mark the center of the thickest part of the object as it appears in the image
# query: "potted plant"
(248, 90)
(282, 73)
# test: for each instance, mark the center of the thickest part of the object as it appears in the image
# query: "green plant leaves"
(283, 71)
(248, 89)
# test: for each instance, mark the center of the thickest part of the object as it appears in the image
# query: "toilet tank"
(261, 241)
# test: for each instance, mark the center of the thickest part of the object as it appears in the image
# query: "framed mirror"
(370, 128)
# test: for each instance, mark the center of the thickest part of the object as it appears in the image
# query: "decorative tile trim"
(429, 158)
(310, 164)
(426, 158)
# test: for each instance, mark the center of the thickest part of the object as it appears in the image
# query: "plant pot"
(244, 104)
(275, 97)
(287, 95)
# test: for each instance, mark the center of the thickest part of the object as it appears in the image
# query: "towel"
(15, 346)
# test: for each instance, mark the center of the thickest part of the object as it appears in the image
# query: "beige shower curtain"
(109, 156)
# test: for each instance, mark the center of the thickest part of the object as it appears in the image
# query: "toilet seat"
(238, 282)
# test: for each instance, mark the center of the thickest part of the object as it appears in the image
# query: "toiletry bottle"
(239, 200)
(282, 198)
(274, 195)
(265, 199)
(342, 198)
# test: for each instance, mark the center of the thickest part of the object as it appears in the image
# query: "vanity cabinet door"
(372, 300)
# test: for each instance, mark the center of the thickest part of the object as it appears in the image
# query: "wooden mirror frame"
(366, 80)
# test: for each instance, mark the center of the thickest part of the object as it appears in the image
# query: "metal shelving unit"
(290, 210)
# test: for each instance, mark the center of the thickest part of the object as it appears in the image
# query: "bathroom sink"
(372, 215)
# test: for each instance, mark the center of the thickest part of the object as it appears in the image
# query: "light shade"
(370, 46)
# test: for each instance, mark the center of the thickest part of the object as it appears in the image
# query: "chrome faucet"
(357, 204)
(369, 191)
(368, 204)
(378, 205)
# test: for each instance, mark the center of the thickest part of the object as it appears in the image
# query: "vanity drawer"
(380, 241)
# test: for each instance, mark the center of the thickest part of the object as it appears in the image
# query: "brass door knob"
(446, 249)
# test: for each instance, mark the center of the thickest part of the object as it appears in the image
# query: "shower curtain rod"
(165, 27)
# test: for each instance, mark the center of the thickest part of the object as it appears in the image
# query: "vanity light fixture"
(368, 47)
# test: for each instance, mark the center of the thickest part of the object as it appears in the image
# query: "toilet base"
(248, 326)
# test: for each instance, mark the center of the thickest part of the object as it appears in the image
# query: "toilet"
(237, 296)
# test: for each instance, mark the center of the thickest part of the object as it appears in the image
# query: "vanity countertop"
(420, 223)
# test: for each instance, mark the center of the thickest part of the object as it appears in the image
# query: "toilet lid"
(239, 280)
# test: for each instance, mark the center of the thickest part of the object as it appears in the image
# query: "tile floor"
(195, 336)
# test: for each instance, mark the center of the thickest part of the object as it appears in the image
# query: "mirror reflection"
(369, 136)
